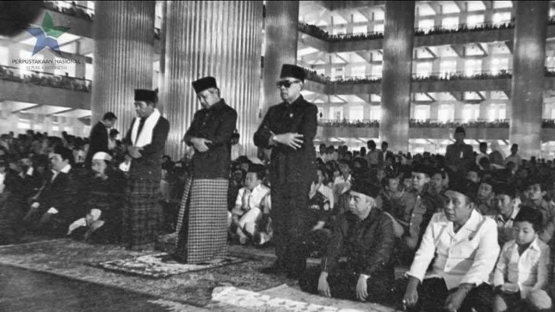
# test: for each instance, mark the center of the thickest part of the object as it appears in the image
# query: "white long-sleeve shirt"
(467, 256)
(530, 271)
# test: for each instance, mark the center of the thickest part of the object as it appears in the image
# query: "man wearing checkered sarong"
(202, 221)
(142, 216)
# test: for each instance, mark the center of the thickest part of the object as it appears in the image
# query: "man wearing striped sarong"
(142, 215)
(202, 221)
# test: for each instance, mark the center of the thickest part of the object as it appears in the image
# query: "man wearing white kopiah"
(145, 141)
(461, 246)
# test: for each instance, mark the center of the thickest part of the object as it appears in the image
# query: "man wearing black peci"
(288, 129)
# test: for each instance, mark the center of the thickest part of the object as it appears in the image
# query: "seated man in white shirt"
(247, 212)
(461, 247)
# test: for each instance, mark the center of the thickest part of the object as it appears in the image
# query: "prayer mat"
(161, 265)
(285, 299)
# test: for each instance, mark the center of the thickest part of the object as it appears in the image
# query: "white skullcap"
(102, 156)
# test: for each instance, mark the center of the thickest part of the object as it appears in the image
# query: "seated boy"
(484, 199)
(536, 191)
(521, 274)
(507, 209)
(247, 212)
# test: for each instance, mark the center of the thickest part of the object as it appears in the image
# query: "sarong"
(142, 214)
(202, 221)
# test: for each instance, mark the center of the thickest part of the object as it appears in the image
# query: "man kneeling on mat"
(365, 235)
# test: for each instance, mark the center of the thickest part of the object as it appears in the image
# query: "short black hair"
(65, 153)
(259, 170)
(529, 214)
(109, 116)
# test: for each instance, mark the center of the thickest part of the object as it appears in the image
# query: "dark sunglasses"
(286, 83)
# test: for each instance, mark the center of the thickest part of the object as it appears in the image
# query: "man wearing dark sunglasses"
(288, 129)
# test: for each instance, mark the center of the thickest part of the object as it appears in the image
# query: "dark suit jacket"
(148, 166)
(98, 141)
(454, 153)
(368, 245)
(62, 194)
(287, 164)
(216, 124)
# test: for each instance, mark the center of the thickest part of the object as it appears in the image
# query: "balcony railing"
(441, 76)
(45, 79)
(414, 123)
(319, 33)
(70, 8)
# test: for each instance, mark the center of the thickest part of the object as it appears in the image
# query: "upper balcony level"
(428, 129)
(435, 82)
(41, 88)
(313, 36)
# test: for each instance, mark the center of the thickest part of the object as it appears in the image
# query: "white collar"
(66, 169)
(30, 171)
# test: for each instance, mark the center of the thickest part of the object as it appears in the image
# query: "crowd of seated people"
(466, 216)
(40, 79)
(505, 264)
(73, 10)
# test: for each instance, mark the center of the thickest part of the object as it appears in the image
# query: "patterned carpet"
(68, 258)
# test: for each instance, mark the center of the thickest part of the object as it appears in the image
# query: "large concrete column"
(396, 74)
(123, 57)
(281, 34)
(528, 76)
(222, 39)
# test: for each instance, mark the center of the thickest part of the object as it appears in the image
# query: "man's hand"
(323, 286)
(455, 300)
(35, 205)
(134, 151)
(362, 288)
(200, 144)
(293, 140)
(411, 294)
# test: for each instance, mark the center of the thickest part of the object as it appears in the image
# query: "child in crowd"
(507, 208)
(535, 192)
(484, 198)
(521, 274)
(247, 213)
(390, 200)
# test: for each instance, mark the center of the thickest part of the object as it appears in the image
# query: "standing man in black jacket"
(99, 138)
(289, 129)
(202, 221)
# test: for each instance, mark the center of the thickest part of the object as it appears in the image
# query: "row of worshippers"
(459, 264)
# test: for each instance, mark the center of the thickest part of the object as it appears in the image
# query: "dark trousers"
(343, 282)
(432, 294)
(288, 204)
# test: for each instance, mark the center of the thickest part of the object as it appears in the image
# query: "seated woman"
(522, 272)
(103, 201)
(365, 236)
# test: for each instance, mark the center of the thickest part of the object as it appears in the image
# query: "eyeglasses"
(286, 83)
